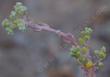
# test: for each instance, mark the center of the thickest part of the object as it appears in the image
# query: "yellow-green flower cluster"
(15, 19)
(80, 55)
(81, 52)
(101, 55)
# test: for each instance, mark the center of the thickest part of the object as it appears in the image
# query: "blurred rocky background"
(44, 54)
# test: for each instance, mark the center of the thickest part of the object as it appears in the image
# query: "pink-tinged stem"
(67, 37)
(90, 73)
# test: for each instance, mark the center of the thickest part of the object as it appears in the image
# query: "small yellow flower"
(89, 64)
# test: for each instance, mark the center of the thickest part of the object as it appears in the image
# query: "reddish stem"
(67, 37)
(90, 73)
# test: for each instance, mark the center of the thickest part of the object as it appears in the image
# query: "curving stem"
(90, 73)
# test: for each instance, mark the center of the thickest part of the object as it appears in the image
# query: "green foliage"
(15, 19)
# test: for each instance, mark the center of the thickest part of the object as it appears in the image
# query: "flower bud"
(9, 30)
(20, 24)
(85, 50)
(81, 41)
(102, 55)
(100, 65)
(20, 9)
(75, 52)
(5, 23)
(12, 15)
(82, 60)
